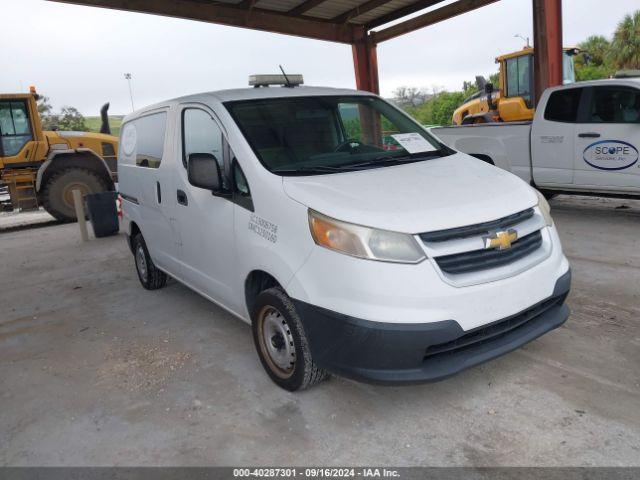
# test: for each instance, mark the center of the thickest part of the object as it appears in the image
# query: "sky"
(78, 55)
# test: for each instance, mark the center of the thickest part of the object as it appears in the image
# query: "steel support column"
(365, 62)
(547, 41)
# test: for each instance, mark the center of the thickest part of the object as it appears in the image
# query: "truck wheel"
(150, 276)
(57, 193)
(282, 343)
(548, 194)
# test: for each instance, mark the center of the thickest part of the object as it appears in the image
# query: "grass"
(93, 123)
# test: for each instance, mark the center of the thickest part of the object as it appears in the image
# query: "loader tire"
(57, 196)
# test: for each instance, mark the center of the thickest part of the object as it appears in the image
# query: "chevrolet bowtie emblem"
(501, 240)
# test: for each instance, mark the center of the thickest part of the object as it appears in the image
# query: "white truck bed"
(506, 145)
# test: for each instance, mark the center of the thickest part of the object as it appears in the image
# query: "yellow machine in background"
(514, 100)
(43, 168)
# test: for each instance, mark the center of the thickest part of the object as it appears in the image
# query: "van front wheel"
(282, 343)
(150, 277)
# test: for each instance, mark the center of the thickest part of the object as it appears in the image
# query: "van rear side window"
(142, 141)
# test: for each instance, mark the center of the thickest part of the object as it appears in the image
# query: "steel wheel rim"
(141, 263)
(276, 342)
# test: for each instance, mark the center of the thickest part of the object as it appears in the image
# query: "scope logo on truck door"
(610, 155)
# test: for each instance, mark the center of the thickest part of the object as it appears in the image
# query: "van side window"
(15, 130)
(241, 192)
(240, 181)
(142, 139)
(614, 105)
(200, 134)
(562, 105)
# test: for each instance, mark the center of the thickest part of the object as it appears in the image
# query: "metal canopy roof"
(353, 22)
(345, 21)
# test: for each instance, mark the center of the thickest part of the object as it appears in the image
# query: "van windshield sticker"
(264, 228)
(413, 142)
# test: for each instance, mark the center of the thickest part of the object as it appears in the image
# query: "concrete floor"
(94, 370)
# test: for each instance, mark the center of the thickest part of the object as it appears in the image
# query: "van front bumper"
(397, 353)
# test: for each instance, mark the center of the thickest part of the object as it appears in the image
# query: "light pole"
(526, 39)
(127, 76)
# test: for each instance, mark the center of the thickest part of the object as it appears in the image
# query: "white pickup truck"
(584, 139)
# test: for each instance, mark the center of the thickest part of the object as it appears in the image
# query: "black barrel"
(103, 213)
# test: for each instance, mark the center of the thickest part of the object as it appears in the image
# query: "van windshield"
(331, 134)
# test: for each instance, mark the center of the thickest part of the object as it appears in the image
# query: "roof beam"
(246, 4)
(402, 12)
(256, 19)
(430, 18)
(359, 10)
(305, 7)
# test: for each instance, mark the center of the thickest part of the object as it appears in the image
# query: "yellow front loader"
(514, 100)
(42, 168)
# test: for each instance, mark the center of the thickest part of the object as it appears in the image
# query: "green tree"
(595, 61)
(45, 110)
(626, 43)
(44, 106)
(598, 49)
(439, 109)
(71, 119)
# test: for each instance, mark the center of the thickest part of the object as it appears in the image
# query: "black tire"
(548, 194)
(57, 198)
(150, 277)
(273, 309)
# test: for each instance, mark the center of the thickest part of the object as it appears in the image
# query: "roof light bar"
(290, 80)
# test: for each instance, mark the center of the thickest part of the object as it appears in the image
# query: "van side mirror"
(203, 171)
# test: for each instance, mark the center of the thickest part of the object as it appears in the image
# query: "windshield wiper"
(313, 169)
(380, 161)
(386, 160)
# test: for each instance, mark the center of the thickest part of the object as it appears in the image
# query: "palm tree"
(598, 48)
(626, 43)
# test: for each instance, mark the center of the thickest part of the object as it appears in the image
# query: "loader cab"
(21, 137)
(518, 100)
(515, 99)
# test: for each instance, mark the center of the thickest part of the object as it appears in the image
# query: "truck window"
(200, 134)
(562, 105)
(14, 127)
(614, 105)
(519, 77)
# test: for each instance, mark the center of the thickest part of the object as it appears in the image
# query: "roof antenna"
(285, 77)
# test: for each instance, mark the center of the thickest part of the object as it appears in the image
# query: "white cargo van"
(584, 139)
(353, 241)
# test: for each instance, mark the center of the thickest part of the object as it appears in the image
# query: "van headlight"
(545, 208)
(364, 242)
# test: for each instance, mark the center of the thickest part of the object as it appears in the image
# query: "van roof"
(248, 94)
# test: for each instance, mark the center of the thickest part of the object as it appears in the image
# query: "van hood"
(436, 194)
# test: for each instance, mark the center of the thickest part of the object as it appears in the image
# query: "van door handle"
(589, 135)
(182, 198)
(158, 192)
